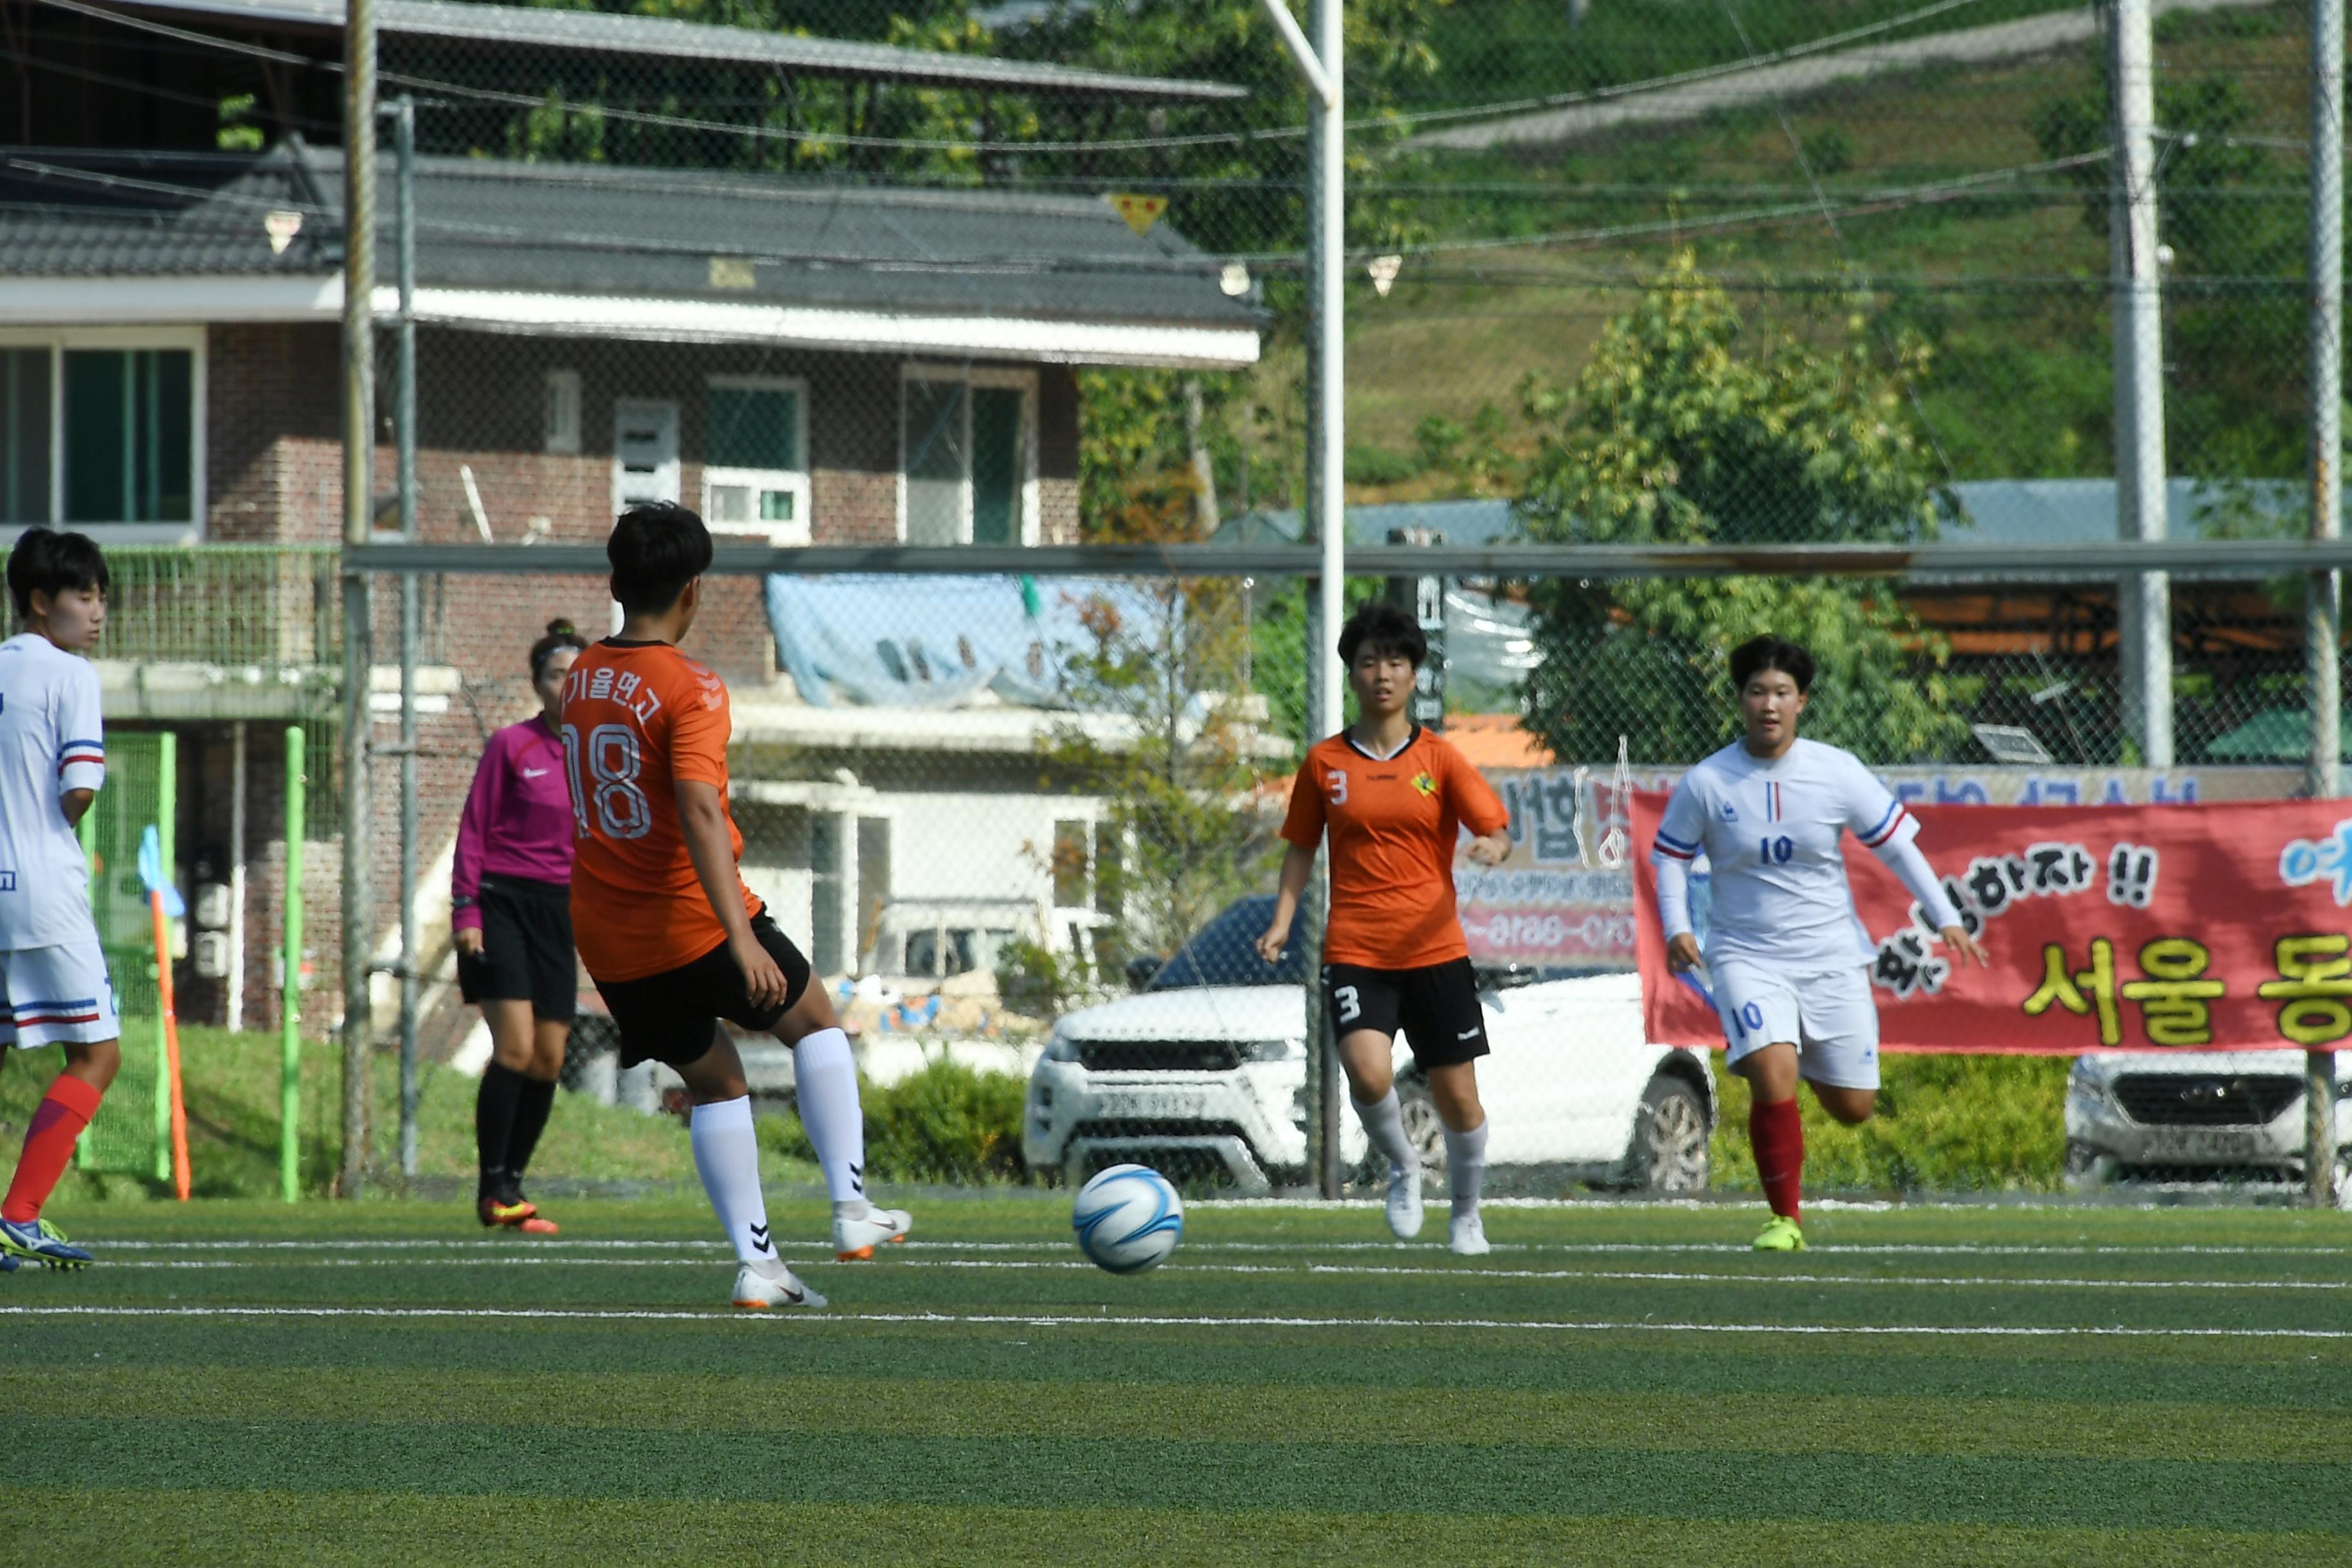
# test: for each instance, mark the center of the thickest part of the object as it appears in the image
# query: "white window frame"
(561, 416)
(58, 340)
(795, 480)
(1021, 380)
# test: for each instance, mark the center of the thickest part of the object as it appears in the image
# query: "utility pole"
(1319, 62)
(2145, 597)
(359, 503)
(2323, 591)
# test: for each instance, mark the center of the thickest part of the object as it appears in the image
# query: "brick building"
(801, 362)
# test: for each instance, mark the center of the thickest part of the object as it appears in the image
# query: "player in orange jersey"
(1394, 798)
(671, 936)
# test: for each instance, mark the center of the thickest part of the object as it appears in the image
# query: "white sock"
(825, 1080)
(727, 1158)
(1385, 1124)
(1465, 1167)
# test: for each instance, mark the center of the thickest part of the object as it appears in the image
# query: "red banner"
(2180, 927)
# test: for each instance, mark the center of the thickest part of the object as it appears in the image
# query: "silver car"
(2199, 1116)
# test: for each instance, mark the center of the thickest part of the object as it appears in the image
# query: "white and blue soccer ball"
(1129, 1219)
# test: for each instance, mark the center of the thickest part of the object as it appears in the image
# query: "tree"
(1687, 426)
(1170, 659)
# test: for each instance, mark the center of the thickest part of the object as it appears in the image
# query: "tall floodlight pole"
(359, 500)
(1319, 62)
(2323, 591)
(2140, 489)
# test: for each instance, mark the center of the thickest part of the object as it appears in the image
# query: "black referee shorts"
(527, 952)
(1436, 1007)
(670, 1017)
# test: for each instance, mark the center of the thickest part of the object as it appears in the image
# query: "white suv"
(1203, 1075)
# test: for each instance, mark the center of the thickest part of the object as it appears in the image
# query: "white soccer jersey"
(1772, 833)
(50, 741)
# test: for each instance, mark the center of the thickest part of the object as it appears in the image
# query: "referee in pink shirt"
(510, 894)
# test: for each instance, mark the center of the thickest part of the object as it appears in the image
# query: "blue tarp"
(934, 642)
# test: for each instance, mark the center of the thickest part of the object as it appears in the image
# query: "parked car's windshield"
(1222, 951)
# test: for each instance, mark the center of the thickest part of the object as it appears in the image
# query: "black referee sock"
(494, 1125)
(533, 1103)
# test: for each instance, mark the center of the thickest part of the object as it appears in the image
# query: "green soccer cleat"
(1780, 1234)
(38, 1241)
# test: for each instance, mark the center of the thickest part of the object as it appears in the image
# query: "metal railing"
(244, 625)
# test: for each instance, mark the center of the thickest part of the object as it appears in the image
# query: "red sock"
(1776, 1132)
(58, 1121)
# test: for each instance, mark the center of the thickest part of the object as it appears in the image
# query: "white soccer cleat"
(1404, 1200)
(760, 1286)
(854, 1240)
(1467, 1234)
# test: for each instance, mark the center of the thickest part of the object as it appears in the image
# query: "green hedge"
(1944, 1124)
(948, 1125)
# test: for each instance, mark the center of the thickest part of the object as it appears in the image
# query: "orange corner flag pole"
(171, 1044)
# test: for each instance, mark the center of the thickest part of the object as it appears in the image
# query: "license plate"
(2214, 1144)
(1151, 1106)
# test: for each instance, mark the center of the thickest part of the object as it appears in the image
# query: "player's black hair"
(656, 551)
(47, 561)
(1757, 655)
(1385, 629)
(561, 634)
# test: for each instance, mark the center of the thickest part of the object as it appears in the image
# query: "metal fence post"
(1327, 228)
(358, 502)
(2145, 597)
(404, 202)
(1320, 61)
(2323, 591)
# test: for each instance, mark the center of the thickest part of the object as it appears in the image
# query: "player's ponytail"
(561, 634)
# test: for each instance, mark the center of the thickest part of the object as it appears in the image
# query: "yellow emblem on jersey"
(1425, 784)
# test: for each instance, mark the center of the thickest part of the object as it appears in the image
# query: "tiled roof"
(635, 233)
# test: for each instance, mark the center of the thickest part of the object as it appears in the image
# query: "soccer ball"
(1129, 1219)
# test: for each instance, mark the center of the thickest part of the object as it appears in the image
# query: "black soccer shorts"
(671, 1017)
(1437, 1006)
(526, 948)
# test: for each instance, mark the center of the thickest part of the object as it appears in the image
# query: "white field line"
(1107, 1320)
(510, 1249)
(1368, 1270)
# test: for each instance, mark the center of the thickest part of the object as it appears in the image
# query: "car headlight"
(1274, 1051)
(2086, 1082)
(1060, 1047)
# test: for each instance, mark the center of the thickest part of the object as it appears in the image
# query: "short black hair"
(656, 551)
(561, 634)
(1386, 630)
(47, 561)
(1757, 655)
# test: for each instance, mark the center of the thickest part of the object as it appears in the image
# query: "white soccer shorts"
(56, 996)
(1828, 1017)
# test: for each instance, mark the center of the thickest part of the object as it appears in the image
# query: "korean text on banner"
(2181, 927)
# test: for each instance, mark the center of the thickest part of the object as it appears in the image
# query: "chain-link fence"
(1035, 275)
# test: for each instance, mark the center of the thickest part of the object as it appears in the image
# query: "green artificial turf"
(260, 1383)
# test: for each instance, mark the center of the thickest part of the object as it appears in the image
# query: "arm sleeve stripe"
(82, 746)
(1666, 848)
(1666, 837)
(1884, 830)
